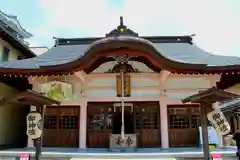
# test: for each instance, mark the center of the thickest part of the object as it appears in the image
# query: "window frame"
(191, 117)
(5, 54)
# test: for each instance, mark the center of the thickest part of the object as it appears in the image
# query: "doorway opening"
(13, 126)
(128, 120)
(140, 118)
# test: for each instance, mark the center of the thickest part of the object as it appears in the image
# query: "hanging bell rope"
(122, 99)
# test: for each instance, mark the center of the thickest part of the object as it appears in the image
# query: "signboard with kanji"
(34, 125)
(219, 121)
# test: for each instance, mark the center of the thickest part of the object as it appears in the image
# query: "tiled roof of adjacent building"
(12, 32)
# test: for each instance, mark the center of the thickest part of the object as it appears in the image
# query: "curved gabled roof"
(181, 53)
(177, 54)
(191, 53)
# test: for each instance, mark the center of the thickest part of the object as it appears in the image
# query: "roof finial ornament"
(121, 30)
(121, 21)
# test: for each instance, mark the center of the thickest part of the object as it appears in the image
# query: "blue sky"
(216, 23)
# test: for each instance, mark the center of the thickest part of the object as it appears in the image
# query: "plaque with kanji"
(127, 86)
(219, 121)
(34, 125)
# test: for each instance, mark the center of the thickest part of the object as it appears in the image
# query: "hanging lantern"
(34, 125)
(219, 121)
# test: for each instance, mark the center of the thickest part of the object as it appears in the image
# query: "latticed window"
(147, 117)
(195, 117)
(50, 122)
(61, 118)
(68, 122)
(183, 117)
(179, 121)
(138, 119)
(100, 118)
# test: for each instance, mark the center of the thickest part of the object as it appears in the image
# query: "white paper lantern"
(219, 121)
(34, 125)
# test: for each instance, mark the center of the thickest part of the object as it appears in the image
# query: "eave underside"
(30, 97)
(19, 83)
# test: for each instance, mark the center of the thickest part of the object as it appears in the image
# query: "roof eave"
(15, 42)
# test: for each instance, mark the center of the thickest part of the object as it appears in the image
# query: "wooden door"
(183, 122)
(147, 117)
(99, 124)
(61, 126)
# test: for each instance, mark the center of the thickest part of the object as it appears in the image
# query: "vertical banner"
(118, 86)
(127, 86)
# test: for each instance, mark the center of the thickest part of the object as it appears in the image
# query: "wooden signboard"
(119, 86)
(127, 86)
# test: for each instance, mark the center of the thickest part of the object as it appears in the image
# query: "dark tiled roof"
(231, 105)
(181, 51)
(12, 22)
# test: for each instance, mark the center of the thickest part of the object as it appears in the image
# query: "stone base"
(116, 141)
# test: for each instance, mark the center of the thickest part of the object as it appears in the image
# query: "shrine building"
(93, 78)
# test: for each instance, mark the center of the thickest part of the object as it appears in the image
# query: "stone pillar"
(30, 143)
(83, 125)
(164, 122)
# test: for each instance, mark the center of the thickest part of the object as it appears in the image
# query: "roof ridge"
(153, 39)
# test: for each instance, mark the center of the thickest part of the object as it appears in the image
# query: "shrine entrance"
(61, 126)
(141, 118)
(128, 119)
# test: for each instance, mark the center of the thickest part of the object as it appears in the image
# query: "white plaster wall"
(180, 87)
(187, 82)
(105, 85)
(145, 85)
(148, 85)
(99, 86)
(13, 54)
(180, 95)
